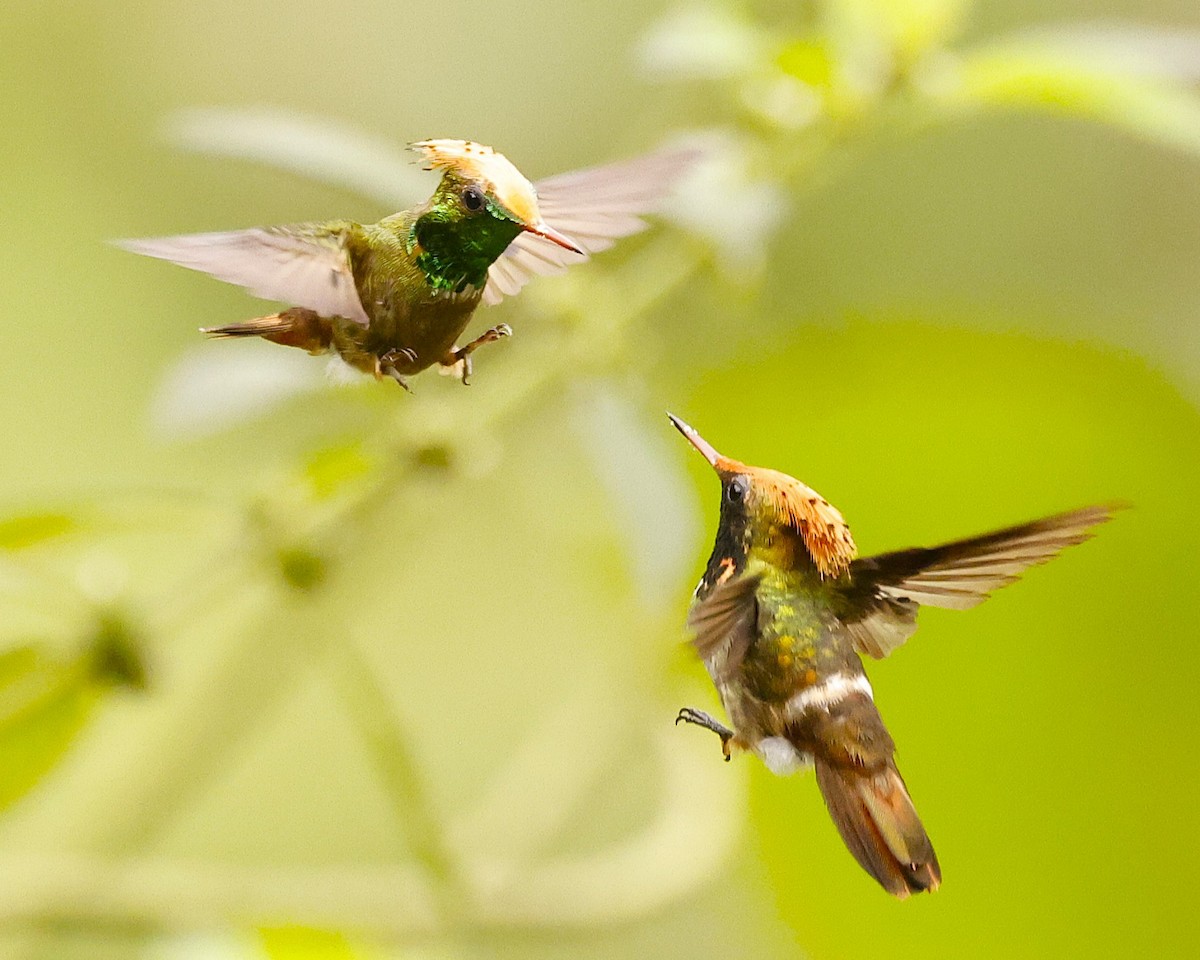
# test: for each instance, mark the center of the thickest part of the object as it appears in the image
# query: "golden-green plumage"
(781, 615)
(393, 297)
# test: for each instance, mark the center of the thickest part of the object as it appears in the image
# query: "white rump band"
(825, 694)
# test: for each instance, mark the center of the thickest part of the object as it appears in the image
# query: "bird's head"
(477, 181)
(766, 502)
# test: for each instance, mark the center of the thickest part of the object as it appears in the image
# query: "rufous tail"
(292, 328)
(877, 820)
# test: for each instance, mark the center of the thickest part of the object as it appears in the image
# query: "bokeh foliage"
(336, 672)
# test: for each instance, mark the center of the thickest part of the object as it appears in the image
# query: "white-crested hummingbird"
(392, 298)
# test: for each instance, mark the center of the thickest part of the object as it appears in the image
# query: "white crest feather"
(475, 161)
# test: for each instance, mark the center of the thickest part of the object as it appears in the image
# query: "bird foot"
(700, 719)
(458, 361)
(385, 366)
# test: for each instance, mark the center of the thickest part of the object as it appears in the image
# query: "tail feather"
(292, 328)
(878, 823)
(258, 327)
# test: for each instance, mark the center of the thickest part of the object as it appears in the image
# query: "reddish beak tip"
(547, 232)
(697, 441)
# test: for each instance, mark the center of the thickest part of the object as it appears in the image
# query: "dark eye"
(735, 492)
(472, 198)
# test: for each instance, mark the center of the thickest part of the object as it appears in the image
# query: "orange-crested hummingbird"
(783, 612)
(392, 298)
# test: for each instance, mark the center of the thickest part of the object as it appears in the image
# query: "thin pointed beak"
(546, 232)
(697, 441)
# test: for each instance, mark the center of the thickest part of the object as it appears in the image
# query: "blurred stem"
(384, 736)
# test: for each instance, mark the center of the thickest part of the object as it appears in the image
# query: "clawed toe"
(700, 719)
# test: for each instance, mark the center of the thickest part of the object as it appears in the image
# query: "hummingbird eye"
(472, 198)
(735, 492)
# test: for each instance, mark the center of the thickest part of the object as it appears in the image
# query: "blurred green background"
(411, 662)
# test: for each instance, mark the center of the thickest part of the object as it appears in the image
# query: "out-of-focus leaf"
(1032, 78)
(723, 203)
(809, 60)
(46, 699)
(315, 148)
(695, 43)
(782, 100)
(116, 653)
(29, 529)
(330, 469)
(874, 42)
(299, 943)
(43, 704)
(1133, 49)
(909, 27)
(214, 387)
(655, 507)
(301, 567)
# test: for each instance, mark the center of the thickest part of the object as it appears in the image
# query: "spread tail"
(292, 328)
(877, 820)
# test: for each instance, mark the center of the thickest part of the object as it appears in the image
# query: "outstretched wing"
(307, 265)
(887, 590)
(724, 625)
(595, 208)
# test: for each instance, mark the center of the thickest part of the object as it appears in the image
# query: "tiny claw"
(400, 379)
(458, 361)
(700, 719)
(385, 365)
(390, 358)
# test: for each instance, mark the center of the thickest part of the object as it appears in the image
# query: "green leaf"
(1040, 79)
(44, 703)
(27, 530)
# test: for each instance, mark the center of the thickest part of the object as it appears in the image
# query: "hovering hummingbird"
(392, 298)
(781, 616)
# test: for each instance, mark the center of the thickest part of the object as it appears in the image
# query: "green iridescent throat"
(456, 248)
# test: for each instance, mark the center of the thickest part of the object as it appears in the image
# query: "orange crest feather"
(821, 526)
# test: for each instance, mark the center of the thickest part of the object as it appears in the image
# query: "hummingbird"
(781, 616)
(392, 298)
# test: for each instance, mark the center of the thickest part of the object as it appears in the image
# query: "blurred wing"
(595, 208)
(888, 589)
(724, 624)
(306, 266)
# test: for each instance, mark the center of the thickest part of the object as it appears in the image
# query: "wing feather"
(305, 265)
(595, 208)
(886, 590)
(724, 624)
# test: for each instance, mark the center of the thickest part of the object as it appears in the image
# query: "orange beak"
(697, 441)
(547, 232)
